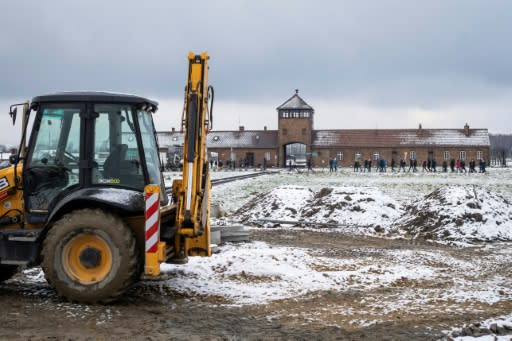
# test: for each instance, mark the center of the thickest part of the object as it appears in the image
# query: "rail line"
(215, 182)
(240, 177)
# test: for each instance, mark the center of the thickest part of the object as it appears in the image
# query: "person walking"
(393, 164)
(402, 165)
(424, 166)
(482, 166)
(452, 165)
(414, 164)
(411, 163)
(434, 165)
(335, 164)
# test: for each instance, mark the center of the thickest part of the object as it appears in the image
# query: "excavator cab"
(88, 140)
(74, 199)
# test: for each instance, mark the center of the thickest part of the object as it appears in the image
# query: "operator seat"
(112, 165)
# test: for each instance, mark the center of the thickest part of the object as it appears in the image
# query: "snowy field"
(359, 250)
(459, 210)
(447, 207)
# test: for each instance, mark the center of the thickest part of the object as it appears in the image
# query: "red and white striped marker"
(152, 214)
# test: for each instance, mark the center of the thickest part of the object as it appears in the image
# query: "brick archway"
(296, 153)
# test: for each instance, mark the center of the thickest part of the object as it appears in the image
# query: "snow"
(446, 137)
(114, 195)
(500, 322)
(256, 273)
(360, 206)
(416, 279)
(462, 214)
(445, 207)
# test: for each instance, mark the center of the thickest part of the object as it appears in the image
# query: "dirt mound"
(348, 206)
(284, 203)
(359, 206)
(457, 213)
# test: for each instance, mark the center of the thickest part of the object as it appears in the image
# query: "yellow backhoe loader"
(85, 197)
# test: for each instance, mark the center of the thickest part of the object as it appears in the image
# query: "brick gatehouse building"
(296, 140)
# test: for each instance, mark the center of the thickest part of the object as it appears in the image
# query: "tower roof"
(295, 102)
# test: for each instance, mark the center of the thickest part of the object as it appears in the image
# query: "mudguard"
(126, 201)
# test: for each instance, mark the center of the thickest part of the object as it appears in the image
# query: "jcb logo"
(4, 183)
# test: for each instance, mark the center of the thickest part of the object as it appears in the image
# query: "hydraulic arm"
(193, 191)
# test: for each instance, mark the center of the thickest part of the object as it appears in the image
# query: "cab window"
(116, 152)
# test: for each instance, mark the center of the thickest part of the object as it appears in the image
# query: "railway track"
(240, 177)
(215, 182)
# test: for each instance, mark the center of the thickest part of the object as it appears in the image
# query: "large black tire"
(7, 271)
(90, 256)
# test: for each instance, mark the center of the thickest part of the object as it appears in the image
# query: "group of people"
(430, 165)
(381, 165)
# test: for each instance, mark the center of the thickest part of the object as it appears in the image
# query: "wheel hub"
(87, 258)
(90, 257)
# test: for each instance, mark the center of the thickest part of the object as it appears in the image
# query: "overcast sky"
(360, 64)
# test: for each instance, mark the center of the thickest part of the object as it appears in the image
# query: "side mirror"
(12, 113)
(14, 159)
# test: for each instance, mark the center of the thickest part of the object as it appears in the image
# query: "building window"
(285, 131)
(267, 156)
(412, 155)
(462, 155)
(357, 156)
(479, 155)
(340, 156)
(376, 155)
(446, 155)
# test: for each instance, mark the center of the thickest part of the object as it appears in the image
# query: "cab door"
(52, 163)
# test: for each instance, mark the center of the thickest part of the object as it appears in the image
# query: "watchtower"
(295, 126)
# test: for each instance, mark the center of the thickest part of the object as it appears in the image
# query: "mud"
(32, 311)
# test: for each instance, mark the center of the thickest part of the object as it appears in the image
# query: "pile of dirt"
(345, 206)
(457, 213)
(283, 202)
(353, 206)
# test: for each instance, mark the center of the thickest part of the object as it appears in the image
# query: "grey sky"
(360, 64)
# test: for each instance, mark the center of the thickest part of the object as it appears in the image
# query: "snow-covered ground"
(403, 187)
(446, 207)
(460, 209)
(390, 280)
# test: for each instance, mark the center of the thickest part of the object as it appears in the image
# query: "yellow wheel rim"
(87, 258)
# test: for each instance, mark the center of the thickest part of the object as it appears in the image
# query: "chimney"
(173, 130)
(241, 128)
(265, 128)
(466, 130)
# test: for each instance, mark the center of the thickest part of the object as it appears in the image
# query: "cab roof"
(93, 96)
